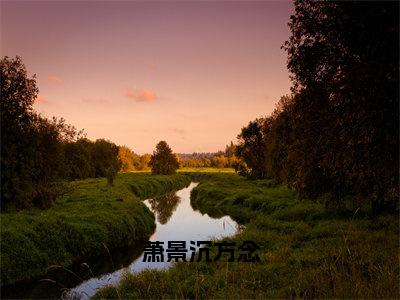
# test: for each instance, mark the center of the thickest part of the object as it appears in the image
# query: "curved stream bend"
(176, 220)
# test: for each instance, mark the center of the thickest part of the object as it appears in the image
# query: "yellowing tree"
(127, 158)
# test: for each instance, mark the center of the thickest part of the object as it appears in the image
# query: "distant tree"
(105, 159)
(163, 161)
(127, 158)
(219, 161)
(230, 150)
(78, 156)
(142, 162)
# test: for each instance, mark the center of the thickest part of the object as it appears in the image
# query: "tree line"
(220, 159)
(337, 134)
(38, 154)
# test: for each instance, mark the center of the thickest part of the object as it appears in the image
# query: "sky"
(190, 73)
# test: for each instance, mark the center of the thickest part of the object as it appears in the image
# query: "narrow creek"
(176, 220)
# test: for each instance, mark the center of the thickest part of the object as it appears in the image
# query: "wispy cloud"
(177, 130)
(54, 79)
(141, 95)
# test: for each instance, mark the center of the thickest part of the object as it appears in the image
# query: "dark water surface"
(176, 220)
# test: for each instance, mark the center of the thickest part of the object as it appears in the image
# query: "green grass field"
(194, 170)
(306, 251)
(90, 217)
(206, 170)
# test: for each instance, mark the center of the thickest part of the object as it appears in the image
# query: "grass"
(206, 170)
(82, 223)
(306, 251)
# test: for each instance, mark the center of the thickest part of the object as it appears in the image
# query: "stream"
(176, 220)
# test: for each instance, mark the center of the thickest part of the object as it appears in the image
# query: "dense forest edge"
(307, 250)
(90, 218)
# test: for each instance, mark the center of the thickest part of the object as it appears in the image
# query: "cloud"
(142, 95)
(54, 79)
(41, 100)
(152, 67)
(177, 130)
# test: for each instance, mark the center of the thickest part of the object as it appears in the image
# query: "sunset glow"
(137, 73)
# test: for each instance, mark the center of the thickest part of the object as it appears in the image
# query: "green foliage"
(17, 96)
(37, 153)
(131, 161)
(102, 158)
(31, 145)
(143, 163)
(163, 161)
(338, 133)
(81, 223)
(200, 171)
(127, 158)
(306, 251)
(78, 158)
(345, 70)
(219, 159)
(251, 149)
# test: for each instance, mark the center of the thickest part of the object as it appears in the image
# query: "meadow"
(307, 250)
(89, 219)
(205, 170)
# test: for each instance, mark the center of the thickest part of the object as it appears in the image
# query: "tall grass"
(307, 251)
(92, 216)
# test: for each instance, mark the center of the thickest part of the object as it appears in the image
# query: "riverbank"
(307, 251)
(88, 220)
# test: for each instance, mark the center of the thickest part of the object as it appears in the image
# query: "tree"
(230, 150)
(251, 149)
(32, 153)
(142, 162)
(344, 57)
(18, 93)
(127, 158)
(279, 139)
(105, 159)
(163, 161)
(78, 156)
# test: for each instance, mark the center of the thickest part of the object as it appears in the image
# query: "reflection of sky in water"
(184, 224)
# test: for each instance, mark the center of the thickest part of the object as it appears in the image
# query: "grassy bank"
(306, 251)
(82, 223)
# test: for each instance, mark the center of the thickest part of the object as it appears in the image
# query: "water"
(176, 221)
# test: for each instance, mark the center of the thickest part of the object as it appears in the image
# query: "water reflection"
(57, 279)
(176, 220)
(163, 207)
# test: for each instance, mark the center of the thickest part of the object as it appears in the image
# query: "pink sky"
(191, 73)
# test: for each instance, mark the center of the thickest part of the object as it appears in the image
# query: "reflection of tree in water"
(164, 206)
